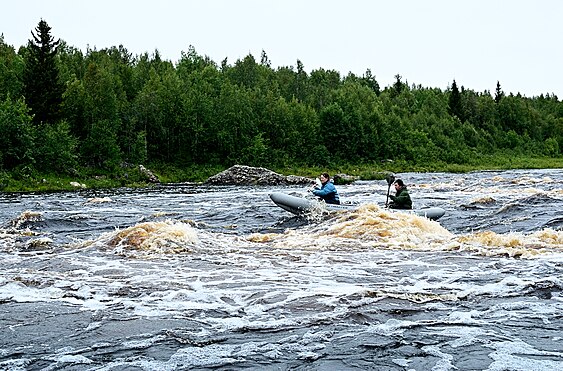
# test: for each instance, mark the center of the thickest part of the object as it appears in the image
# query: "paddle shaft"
(390, 179)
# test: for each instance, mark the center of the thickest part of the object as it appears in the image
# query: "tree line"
(62, 109)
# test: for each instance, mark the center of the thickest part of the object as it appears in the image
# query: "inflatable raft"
(300, 205)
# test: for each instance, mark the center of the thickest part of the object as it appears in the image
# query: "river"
(192, 277)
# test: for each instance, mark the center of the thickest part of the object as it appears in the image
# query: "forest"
(66, 112)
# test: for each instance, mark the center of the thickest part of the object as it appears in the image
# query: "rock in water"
(247, 175)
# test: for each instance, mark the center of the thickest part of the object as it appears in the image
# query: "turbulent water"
(185, 277)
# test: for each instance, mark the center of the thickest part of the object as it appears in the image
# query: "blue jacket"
(328, 193)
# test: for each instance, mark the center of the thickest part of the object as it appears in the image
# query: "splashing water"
(193, 277)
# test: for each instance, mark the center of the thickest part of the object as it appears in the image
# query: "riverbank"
(133, 178)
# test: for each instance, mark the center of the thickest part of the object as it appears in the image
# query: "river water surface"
(189, 277)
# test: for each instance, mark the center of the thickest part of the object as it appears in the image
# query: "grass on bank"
(377, 171)
(31, 181)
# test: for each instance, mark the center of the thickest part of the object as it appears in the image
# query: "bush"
(551, 147)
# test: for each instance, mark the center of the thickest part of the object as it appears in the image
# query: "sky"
(427, 42)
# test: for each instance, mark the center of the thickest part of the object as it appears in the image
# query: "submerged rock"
(247, 175)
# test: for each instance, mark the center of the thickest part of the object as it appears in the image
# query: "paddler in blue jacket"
(327, 191)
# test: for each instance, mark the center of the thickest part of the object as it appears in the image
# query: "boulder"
(78, 185)
(344, 178)
(247, 175)
(149, 176)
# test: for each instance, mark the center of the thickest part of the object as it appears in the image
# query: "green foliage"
(257, 153)
(419, 149)
(4, 180)
(369, 80)
(42, 87)
(334, 130)
(320, 156)
(101, 97)
(71, 63)
(454, 102)
(11, 67)
(100, 148)
(74, 108)
(511, 140)
(398, 86)
(499, 94)
(138, 152)
(56, 148)
(321, 86)
(16, 135)
(551, 147)
(201, 116)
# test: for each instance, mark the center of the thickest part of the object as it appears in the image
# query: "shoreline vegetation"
(105, 118)
(131, 177)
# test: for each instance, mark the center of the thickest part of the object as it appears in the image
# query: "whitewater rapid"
(192, 277)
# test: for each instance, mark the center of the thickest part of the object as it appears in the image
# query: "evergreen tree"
(264, 61)
(42, 88)
(301, 82)
(397, 86)
(499, 94)
(454, 103)
(370, 81)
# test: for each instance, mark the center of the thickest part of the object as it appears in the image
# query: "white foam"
(19, 292)
(444, 362)
(65, 360)
(511, 355)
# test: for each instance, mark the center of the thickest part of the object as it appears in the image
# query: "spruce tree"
(397, 86)
(369, 80)
(499, 94)
(42, 88)
(454, 103)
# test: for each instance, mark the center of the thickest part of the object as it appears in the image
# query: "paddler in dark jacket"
(402, 199)
(328, 191)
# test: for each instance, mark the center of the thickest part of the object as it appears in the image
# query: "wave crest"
(169, 237)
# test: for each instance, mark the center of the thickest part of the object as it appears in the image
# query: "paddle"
(390, 179)
(316, 185)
